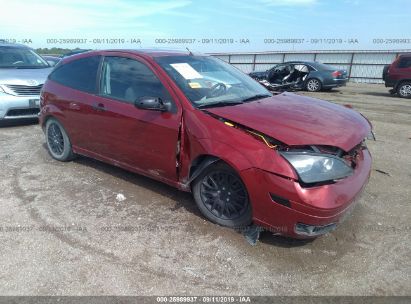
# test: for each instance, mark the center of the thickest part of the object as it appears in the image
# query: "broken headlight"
(314, 167)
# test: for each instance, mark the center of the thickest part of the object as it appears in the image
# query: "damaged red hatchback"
(291, 164)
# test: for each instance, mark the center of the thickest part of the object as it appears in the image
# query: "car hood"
(31, 77)
(299, 120)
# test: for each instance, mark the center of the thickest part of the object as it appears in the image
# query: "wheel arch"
(51, 111)
(400, 82)
(203, 161)
(199, 164)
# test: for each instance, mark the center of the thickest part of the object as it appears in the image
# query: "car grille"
(22, 112)
(23, 90)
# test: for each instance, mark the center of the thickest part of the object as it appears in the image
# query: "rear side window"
(405, 62)
(79, 74)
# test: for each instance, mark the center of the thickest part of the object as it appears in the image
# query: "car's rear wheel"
(58, 142)
(404, 90)
(222, 197)
(313, 85)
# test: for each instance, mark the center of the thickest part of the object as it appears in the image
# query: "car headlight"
(314, 168)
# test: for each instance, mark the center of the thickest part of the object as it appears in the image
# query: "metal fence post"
(351, 62)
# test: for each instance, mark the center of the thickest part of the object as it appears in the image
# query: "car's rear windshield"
(20, 58)
(208, 80)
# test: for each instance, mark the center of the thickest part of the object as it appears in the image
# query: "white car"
(22, 75)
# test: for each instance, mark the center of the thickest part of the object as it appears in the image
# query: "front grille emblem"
(32, 82)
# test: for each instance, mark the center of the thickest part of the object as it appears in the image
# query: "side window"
(405, 62)
(310, 68)
(128, 79)
(79, 74)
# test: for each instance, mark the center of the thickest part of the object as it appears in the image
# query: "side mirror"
(51, 63)
(152, 103)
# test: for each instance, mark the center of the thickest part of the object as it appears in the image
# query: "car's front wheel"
(404, 90)
(222, 197)
(313, 85)
(58, 142)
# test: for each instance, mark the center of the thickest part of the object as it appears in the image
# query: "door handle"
(99, 107)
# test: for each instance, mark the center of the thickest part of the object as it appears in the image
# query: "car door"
(145, 140)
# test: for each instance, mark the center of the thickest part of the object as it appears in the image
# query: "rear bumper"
(282, 206)
(389, 82)
(18, 107)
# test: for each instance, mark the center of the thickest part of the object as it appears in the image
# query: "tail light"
(336, 74)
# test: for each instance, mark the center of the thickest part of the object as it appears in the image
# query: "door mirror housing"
(152, 103)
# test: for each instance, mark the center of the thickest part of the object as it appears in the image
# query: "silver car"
(22, 75)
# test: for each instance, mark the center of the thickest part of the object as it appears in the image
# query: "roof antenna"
(189, 52)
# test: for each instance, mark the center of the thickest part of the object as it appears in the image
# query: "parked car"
(397, 76)
(301, 75)
(51, 60)
(22, 75)
(292, 164)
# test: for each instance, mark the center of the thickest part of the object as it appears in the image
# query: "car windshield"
(20, 58)
(208, 81)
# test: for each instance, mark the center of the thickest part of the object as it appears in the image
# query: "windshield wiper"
(219, 104)
(255, 97)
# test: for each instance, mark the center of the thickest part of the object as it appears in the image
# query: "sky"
(209, 26)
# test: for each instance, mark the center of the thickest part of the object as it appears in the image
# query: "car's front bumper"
(283, 206)
(18, 107)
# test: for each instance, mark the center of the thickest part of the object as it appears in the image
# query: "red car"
(291, 164)
(397, 75)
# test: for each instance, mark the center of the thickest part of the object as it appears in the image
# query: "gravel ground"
(86, 228)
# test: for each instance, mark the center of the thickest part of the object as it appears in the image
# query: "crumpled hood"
(299, 120)
(31, 77)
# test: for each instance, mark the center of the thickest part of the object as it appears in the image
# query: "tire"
(404, 90)
(58, 142)
(222, 197)
(313, 85)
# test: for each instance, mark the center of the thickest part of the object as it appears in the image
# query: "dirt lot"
(64, 232)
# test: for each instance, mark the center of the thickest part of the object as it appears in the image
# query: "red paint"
(300, 120)
(396, 73)
(145, 142)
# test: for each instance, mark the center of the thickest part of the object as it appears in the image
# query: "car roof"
(155, 52)
(144, 52)
(13, 45)
(147, 53)
(301, 62)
